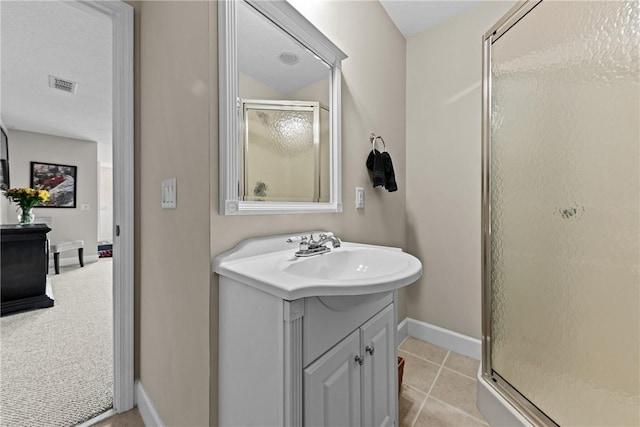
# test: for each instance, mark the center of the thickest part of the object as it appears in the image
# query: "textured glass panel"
(565, 220)
(290, 132)
(279, 155)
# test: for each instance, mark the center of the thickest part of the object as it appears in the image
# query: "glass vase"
(25, 216)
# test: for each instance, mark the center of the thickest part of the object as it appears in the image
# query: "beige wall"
(5, 205)
(68, 223)
(373, 101)
(173, 257)
(318, 91)
(250, 88)
(5, 210)
(444, 72)
(177, 136)
(105, 202)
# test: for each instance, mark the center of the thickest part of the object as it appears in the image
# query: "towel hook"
(373, 138)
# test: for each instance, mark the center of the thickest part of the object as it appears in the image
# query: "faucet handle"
(293, 239)
(303, 240)
(326, 235)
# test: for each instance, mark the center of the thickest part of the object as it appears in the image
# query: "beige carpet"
(57, 363)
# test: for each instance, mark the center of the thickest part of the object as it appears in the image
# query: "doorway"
(120, 18)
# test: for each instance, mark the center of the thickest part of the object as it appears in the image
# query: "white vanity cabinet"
(314, 361)
(309, 341)
(351, 384)
(332, 393)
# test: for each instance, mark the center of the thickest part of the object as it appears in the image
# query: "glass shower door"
(562, 211)
(282, 146)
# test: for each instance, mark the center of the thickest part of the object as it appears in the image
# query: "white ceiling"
(415, 16)
(42, 38)
(260, 43)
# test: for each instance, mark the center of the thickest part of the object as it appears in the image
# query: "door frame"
(121, 16)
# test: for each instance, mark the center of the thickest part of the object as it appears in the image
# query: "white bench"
(67, 246)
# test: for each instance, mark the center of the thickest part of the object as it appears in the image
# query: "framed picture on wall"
(59, 180)
(4, 161)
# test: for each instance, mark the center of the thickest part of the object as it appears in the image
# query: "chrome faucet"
(309, 246)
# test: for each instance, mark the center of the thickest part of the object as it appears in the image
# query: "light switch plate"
(169, 196)
(359, 198)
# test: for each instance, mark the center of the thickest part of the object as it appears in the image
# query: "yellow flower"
(27, 198)
(44, 195)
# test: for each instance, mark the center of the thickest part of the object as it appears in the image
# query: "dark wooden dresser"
(23, 268)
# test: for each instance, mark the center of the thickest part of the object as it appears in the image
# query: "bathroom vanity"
(309, 341)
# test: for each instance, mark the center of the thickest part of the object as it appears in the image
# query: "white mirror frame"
(297, 26)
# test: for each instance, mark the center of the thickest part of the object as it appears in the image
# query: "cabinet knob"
(370, 350)
(360, 360)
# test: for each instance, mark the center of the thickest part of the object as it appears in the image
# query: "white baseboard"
(403, 331)
(442, 337)
(149, 413)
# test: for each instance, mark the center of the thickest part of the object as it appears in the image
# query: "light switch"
(169, 198)
(359, 198)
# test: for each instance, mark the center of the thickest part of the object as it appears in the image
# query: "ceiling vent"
(289, 58)
(62, 84)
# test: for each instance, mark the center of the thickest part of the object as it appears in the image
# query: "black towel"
(382, 167)
(376, 165)
(389, 174)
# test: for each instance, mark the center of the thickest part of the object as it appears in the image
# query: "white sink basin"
(269, 264)
(350, 262)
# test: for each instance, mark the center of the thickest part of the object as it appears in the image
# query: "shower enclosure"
(285, 151)
(561, 211)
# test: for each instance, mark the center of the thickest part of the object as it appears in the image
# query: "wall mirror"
(279, 91)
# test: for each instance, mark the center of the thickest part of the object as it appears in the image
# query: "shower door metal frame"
(281, 105)
(532, 413)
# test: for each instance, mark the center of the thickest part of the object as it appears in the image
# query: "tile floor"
(438, 390)
(438, 387)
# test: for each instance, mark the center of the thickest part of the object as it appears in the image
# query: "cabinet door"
(379, 376)
(332, 386)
